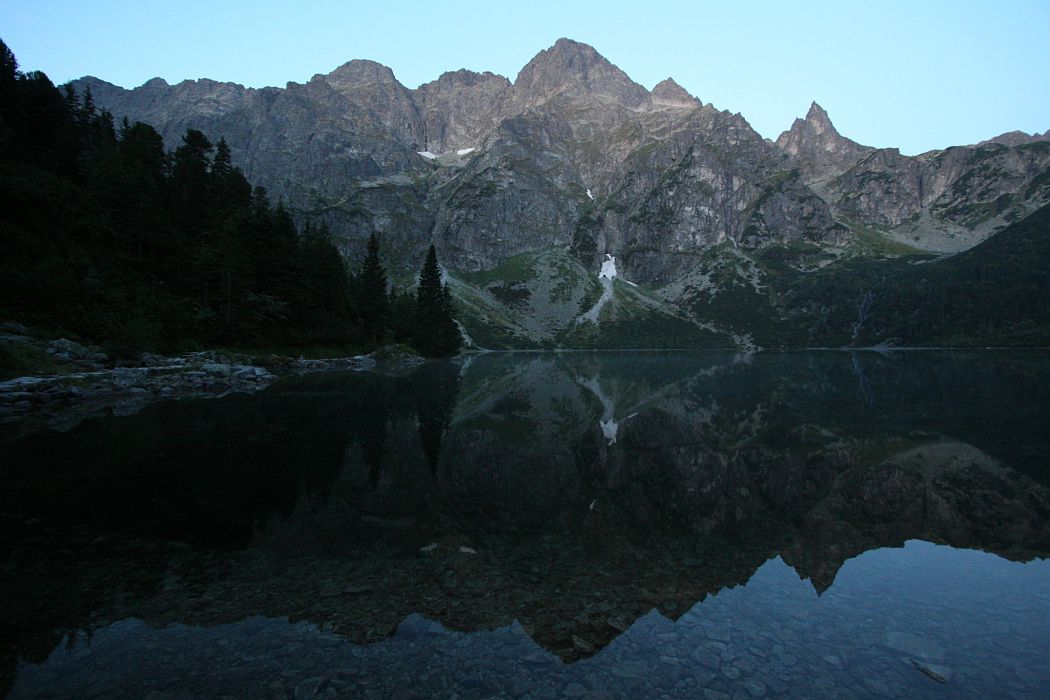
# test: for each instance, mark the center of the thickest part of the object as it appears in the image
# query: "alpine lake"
(584, 525)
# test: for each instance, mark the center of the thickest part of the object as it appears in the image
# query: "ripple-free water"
(786, 525)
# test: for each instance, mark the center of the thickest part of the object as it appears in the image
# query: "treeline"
(105, 234)
(997, 293)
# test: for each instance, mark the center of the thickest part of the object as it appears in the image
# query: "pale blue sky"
(915, 75)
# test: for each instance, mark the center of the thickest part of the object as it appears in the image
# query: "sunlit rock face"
(574, 154)
(817, 147)
(460, 108)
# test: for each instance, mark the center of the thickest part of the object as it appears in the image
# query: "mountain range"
(526, 186)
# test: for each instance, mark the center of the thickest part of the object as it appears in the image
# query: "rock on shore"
(63, 400)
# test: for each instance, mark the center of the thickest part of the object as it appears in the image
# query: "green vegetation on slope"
(997, 293)
(632, 320)
(537, 300)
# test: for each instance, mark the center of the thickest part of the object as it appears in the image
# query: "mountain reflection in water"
(569, 510)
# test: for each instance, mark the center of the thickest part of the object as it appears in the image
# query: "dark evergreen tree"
(275, 247)
(434, 406)
(403, 316)
(323, 288)
(142, 180)
(8, 65)
(190, 186)
(436, 332)
(37, 127)
(86, 114)
(231, 191)
(222, 164)
(373, 305)
(371, 428)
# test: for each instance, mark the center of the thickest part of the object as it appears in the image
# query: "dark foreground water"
(702, 525)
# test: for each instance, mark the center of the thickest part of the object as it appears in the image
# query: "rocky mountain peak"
(817, 147)
(818, 120)
(361, 73)
(378, 96)
(814, 132)
(668, 92)
(576, 70)
(464, 78)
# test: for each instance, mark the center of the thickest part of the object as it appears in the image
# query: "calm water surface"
(699, 525)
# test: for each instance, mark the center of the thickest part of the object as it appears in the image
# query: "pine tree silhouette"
(436, 332)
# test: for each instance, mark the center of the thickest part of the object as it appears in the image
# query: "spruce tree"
(8, 65)
(436, 332)
(373, 303)
(322, 286)
(191, 185)
(222, 163)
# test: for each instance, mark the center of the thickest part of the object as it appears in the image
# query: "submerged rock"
(937, 673)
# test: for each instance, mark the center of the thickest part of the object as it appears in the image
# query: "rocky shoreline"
(90, 388)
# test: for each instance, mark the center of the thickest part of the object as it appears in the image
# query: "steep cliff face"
(574, 155)
(375, 92)
(713, 180)
(460, 109)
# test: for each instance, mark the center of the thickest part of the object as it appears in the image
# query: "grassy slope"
(635, 320)
(533, 300)
(997, 293)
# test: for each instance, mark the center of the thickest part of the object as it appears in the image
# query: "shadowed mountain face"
(572, 493)
(575, 155)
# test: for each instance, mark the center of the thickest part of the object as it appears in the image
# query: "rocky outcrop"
(64, 401)
(90, 385)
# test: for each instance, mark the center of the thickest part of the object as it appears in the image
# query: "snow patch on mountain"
(606, 277)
